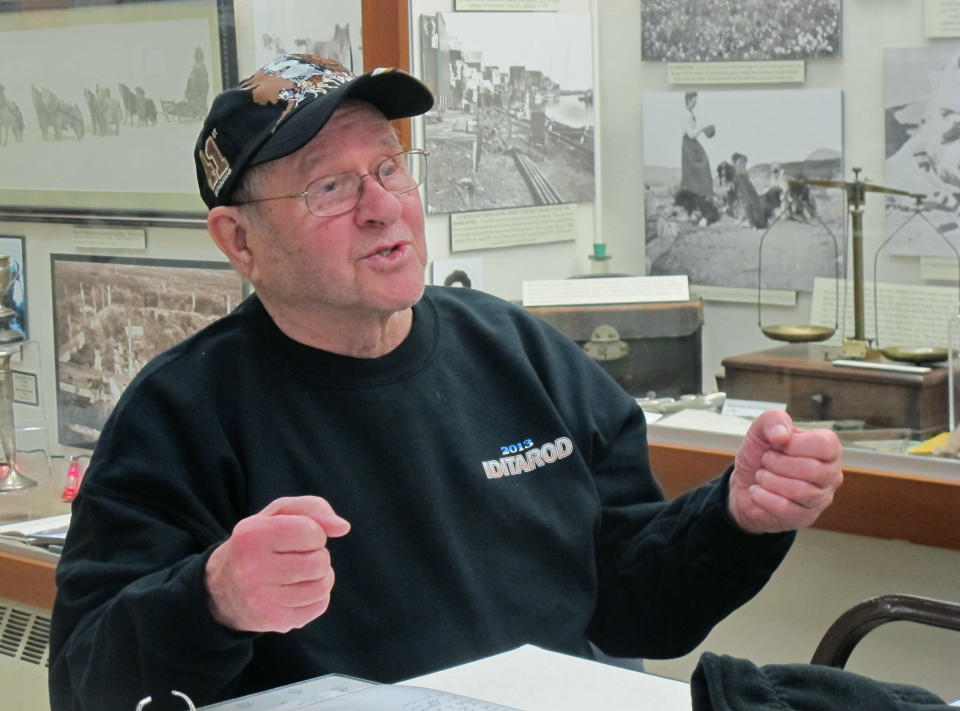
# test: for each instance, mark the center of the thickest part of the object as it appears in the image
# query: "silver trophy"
(11, 480)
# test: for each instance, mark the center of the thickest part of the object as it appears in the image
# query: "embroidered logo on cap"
(215, 166)
(294, 77)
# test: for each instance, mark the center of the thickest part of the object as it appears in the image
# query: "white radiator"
(24, 650)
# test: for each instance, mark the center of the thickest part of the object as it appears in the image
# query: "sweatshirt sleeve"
(669, 572)
(131, 617)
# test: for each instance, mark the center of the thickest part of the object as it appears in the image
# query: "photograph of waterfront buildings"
(513, 123)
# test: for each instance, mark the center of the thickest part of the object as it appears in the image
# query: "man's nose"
(376, 202)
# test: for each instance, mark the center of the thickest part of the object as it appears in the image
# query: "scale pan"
(798, 334)
(915, 355)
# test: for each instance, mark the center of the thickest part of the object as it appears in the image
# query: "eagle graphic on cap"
(294, 77)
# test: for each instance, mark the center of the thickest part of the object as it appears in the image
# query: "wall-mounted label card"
(773, 72)
(109, 238)
(941, 18)
(606, 290)
(507, 5)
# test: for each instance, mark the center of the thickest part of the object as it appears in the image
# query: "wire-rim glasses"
(336, 194)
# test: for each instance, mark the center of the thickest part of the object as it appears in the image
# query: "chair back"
(850, 627)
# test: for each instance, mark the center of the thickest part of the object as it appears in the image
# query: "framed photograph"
(466, 272)
(296, 27)
(717, 169)
(111, 131)
(739, 30)
(922, 148)
(25, 390)
(513, 124)
(15, 295)
(111, 315)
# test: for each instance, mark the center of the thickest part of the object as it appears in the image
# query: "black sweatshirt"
(497, 483)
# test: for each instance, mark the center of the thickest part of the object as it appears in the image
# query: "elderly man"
(473, 478)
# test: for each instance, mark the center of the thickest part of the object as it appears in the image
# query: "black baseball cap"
(282, 106)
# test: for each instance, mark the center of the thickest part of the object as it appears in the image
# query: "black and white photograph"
(296, 27)
(721, 169)
(15, 296)
(464, 272)
(739, 30)
(922, 138)
(513, 125)
(112, 315)
(111, 128)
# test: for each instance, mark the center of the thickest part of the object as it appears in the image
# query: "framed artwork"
(15, 295)
(717, 167)
(296, 27)
(111, 315)
(922, 138)
(109, 132)
(466, 272)
(513, 123)
(739, 30)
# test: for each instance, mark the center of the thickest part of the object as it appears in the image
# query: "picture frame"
(740, 30)
(106, 136)
(25, 390)
(711, 195)
(15, 297)
(112, 315)
(513, 125)
(275, 27)
(921, 149)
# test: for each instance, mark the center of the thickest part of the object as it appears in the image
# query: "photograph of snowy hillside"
(922, 136)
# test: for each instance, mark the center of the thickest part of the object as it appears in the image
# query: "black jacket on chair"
(723, 683)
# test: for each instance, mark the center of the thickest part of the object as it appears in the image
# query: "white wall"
(617, 217)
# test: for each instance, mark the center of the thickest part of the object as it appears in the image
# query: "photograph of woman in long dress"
(695, 174)
(709, 200)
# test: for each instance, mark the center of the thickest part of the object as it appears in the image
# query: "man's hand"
(783, 477)
(273, 574)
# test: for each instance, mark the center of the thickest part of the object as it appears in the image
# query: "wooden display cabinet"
(802, 376)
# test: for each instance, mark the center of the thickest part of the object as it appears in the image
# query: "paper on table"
(294, 696)
(387, 697)
(334, 692)
(536, 679)
(51, 525)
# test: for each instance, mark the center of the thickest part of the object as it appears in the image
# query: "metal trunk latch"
(605, 344)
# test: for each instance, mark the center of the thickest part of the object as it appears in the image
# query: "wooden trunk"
(660, 351)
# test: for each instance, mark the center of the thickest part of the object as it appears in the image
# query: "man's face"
(366, 262)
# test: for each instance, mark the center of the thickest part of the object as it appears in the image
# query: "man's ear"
(229, 232)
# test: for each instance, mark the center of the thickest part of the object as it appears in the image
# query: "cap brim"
(395, 93)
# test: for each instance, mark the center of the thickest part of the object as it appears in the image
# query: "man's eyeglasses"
(339, 193)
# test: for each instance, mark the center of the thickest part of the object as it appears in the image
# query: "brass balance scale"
(817, 382)
(858, 346)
